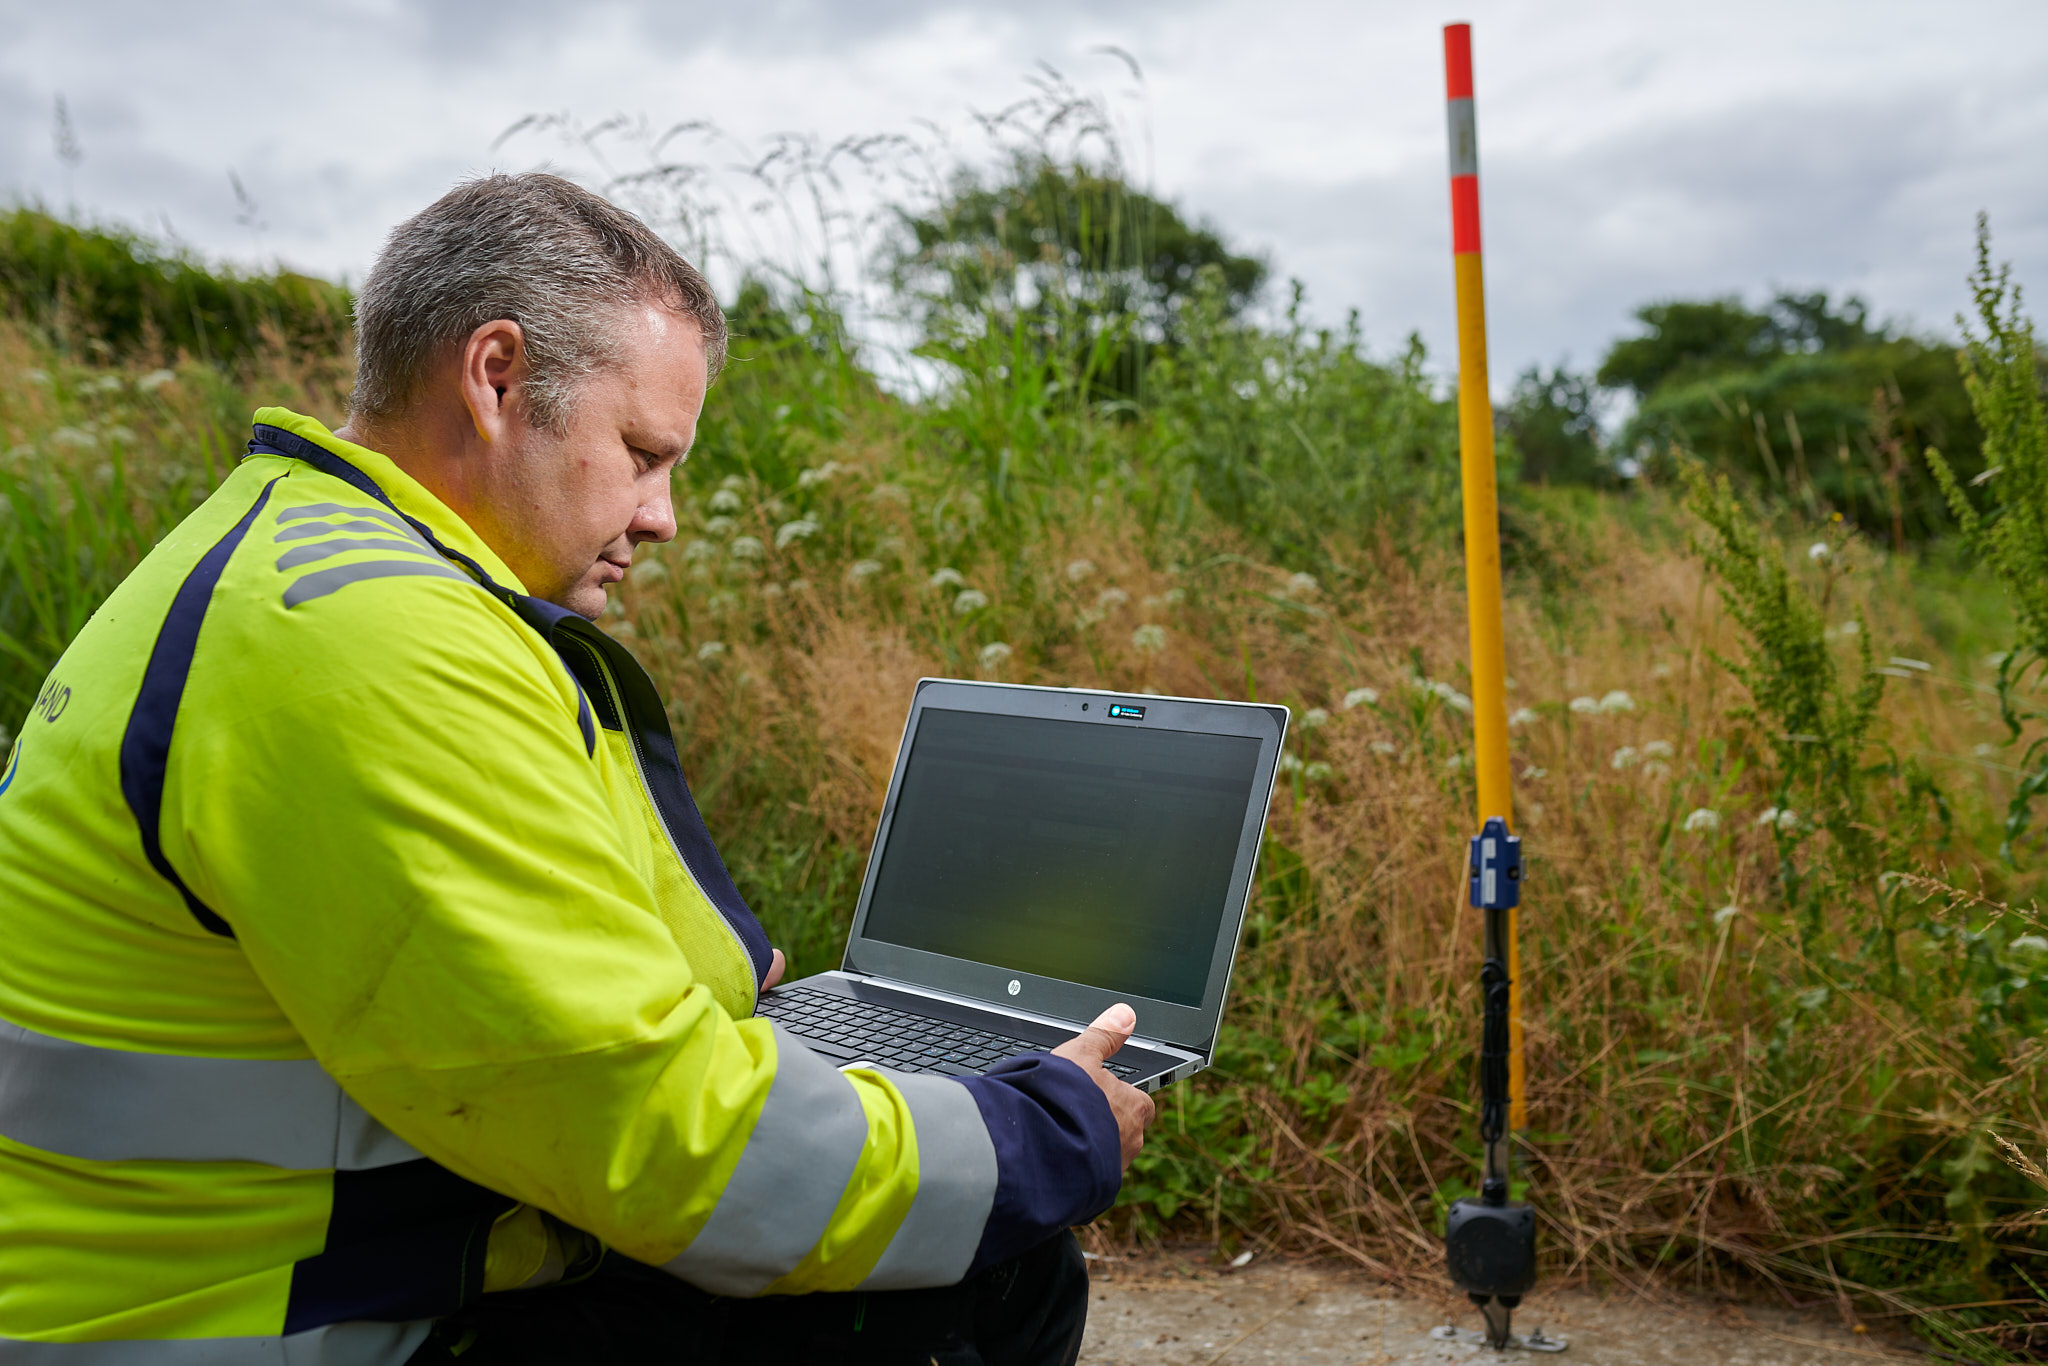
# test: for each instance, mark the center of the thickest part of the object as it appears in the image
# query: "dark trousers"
(1028, 1311)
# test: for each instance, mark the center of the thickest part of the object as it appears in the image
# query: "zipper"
(618, 703)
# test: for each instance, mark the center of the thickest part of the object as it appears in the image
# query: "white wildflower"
(1290, 764)
(1533, 774)
(969, 600)
(720, 526)
(1983, 751)
(72, 436)
(2028, 945)
(1523, 716)
(773, 592)
(710, 650)
(648, 571)
(725, 500)
(1318, 772)
(948, 577)
(1819, 551)
(818, 475)
(1727, 913)
(155, 380)
(860, 569)
(1302, 586)
(1457, 763)
(1658, 749)
(746, 548)
(1150, 639)
(1783, 818)
(994, 654)
(1314, 718)
(1625, 757)
(1383, 748)
(1176, 596)
(1585, 706)
(700, 550)
(1360, 697)
(889, 493)
(1078, 570)
(1617, 701)
(794, 531)
(1656, 768)
(1111, 597)
(1702, 818)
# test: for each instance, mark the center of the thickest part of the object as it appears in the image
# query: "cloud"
(1628, 152)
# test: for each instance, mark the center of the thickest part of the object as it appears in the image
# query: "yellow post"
(1482, 515)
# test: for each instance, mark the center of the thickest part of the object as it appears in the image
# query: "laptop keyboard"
(846, 1030)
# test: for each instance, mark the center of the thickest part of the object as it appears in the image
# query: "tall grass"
(1755, 1055)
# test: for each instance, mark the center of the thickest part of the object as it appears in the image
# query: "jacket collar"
(406, 493)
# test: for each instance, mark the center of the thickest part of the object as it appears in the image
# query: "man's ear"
(493, 373)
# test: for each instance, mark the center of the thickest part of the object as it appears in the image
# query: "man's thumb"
(1111, 1030)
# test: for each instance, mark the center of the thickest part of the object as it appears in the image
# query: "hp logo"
(1015, 986)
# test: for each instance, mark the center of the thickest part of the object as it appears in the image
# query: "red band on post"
(1464, 214)
(1458, 61)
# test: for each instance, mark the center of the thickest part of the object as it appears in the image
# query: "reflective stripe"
(804, 1149)
(1464, 139)
(299, 514)
(956, 1188)
(326, 581)
(113, 1105)
(313, 529)
(321, 550)
(338, 1344)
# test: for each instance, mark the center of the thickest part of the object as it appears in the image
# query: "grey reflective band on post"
(337, 1344)
(1464, 139)
(956, 1188)
(113, 1105)
(805, 1146)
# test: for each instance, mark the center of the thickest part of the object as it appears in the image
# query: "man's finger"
(1111, 1030)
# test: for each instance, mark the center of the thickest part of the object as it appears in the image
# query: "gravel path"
(1166, 1311)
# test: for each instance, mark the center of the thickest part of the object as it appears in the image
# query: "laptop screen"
(1099, 854)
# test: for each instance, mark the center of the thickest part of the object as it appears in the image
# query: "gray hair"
(545, 253)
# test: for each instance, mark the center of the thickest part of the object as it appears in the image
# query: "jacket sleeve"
(420, 860)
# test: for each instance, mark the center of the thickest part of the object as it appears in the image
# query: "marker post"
(1489, 1242)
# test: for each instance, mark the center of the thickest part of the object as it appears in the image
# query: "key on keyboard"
(847, 1030)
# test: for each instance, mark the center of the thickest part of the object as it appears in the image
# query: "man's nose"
(655, 520)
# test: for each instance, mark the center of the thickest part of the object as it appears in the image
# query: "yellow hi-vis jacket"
(353, 908)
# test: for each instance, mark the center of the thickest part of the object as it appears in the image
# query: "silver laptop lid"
(1057, 850)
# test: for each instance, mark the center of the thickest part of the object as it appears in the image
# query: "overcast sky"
(1628, 151)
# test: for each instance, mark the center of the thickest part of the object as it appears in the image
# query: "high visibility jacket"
(353, 908)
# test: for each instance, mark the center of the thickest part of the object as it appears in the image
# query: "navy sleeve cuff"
(1058, 1154)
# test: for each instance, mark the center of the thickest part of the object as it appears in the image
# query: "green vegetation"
(108, 292)
(1784, 1028)
(1805, 400)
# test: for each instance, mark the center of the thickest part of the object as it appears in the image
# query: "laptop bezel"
(1191, 1027)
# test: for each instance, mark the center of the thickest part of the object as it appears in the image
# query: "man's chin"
(586, 599)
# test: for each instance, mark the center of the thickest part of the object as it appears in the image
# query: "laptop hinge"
(1172, 1050)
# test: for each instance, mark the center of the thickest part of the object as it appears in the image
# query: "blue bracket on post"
(1496, 867)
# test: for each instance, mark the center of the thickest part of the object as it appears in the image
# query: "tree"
(1068, 260)
(1805, 398)
(1551, 423)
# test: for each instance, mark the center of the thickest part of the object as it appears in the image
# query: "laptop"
(1044, 853)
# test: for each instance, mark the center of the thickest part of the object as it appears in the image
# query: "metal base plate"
(1532, 1341)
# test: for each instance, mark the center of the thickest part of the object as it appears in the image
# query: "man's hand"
(1133, 1108)
(776, 963)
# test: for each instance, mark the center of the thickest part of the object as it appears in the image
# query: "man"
(372, 990)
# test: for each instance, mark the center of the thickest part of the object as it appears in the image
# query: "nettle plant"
(1847, 812)
(2009, 534)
